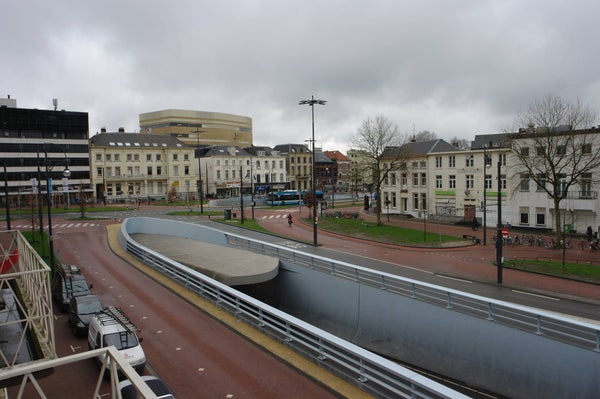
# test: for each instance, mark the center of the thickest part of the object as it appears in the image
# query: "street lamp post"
(312, 103)
(66, 173)
(241, 196)
(499, 232)
(200, 193)
(6, 198)
(487, 162)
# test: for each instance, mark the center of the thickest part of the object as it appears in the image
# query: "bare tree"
(425, 135)
(461, 144)
(554, 149)
(381, 140)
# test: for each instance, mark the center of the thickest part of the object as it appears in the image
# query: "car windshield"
(89, 307)
(76, 286)
(121, 340)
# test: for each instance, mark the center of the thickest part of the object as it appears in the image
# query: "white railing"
(536, 321)
(370, 372)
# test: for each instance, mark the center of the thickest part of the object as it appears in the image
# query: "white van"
(113, 327)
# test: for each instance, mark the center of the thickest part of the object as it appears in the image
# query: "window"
(415, 201)
(452, 181)
(281, 164)
(469, 160)
(586, 185)
(98, 157)
(118, 171)
(423, 201)
(502, 159)
(218, 162)
(148, 157)
(158, 157)
(415, 164)
(524, 216)
(129, 157)
(117, 157)
(540, 217)
(149, 170)
(107, 157)
(423, 164)
(586, 148)
(541, 182)
(423, 179)
(562, 184)
(540, 150)
(99, 171)
(393, 179)
(524, 185)
(218, 174)
(561, 149)
(159, 170)
(415, 180)
(438, 162)
(524, 151)
(488, 182)
(186, 157)
(136, 157)
(438, 181)
(404, 179)
(176, 170)
(469, 181)
(452, 161)
(175, 157)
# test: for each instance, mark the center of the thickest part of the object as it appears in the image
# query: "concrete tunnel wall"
(504, 360)
(482, 353)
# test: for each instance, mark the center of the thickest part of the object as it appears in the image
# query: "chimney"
(102, 130)
(121, 130)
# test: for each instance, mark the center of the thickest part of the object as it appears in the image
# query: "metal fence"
(536, 321)
(370, 372)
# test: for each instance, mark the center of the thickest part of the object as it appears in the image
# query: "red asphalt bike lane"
(474, 262)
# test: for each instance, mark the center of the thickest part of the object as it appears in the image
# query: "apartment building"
(139, 167)
(229, 170)
(36, 146)
(298, 165)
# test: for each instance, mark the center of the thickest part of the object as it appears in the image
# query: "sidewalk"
(474, 262)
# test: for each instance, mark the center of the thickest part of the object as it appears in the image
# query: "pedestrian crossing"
(54, 225)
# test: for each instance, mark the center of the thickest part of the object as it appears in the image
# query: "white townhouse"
(227, 169)
(133, 166)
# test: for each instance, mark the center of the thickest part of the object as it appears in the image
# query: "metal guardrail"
(112, 363)
(370, 372)
(536, 321)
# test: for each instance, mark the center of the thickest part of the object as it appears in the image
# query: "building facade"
(342, 179)
(36, 146)
(231, 170)
(133, 167)
(298, 165)
(199, 128)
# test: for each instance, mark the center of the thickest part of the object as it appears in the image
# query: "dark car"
(67, 283)
(156, 385)
(81, 311)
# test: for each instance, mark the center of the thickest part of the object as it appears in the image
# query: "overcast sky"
(454, 67)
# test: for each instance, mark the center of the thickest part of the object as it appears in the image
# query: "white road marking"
(537, 295)
(454, 278)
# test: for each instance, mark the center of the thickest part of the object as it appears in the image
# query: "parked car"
(67, 283)
(155, 384)
(81, 311)
(112, 327)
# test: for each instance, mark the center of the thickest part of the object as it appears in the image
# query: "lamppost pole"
(66, 173)
(499, 232)
(241, 196)
(486, 164)
(200, 193)
(6, 198)
(252, 185)
(312, 103)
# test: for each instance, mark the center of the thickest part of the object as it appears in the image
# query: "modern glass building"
(37, 146)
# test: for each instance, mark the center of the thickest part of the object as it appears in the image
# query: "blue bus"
(289, 197)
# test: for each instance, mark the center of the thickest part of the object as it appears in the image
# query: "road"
(196, 355)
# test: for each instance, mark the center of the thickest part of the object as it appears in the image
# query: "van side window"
(98, 340)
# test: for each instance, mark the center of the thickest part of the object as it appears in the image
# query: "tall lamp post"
(200, 193)
(487, 162)
(312, 103)
(499, 232)
(67, 174)
(241, 196)
(6, 198)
